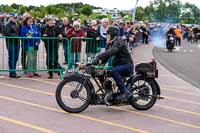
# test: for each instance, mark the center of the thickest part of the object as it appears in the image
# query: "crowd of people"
(31, 32)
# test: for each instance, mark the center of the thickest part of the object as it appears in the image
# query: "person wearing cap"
(51, 36)
(13, 45)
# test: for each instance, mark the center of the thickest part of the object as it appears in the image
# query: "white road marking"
(1, 77)
(177, 49)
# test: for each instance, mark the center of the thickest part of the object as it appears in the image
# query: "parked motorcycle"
(93, 85)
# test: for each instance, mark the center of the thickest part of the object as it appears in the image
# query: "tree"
(29, 8)
(8, 9)
(22, 10)
(100, 16)
(50, 9)
(15, 6)
(164, 10)
(86, 10)
(122, 14)
(190, 14)
(140, 14)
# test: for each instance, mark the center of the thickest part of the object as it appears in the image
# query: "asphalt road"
(28, 105)
(183, 62)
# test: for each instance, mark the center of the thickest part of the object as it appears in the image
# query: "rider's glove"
(96, 61)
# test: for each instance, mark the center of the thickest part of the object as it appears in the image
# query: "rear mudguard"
(133, 78)
(158, 87)
(83, 77)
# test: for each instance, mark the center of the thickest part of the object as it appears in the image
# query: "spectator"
(145, 34)
(102, 29)
(76, 31)
(92, 45)
(122, 32)
(64, 29)
(178, 36)
(1, 26)
(12, 45)
(132, 37)
(23, 51)
(51, 46)
(30, 44)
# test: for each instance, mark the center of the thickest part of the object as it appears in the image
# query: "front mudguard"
(83, 77)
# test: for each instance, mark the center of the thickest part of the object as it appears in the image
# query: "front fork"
(79, 87)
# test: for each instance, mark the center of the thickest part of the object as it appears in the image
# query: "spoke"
(78, 86)
(82, 99)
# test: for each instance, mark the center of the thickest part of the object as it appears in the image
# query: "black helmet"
(113, 31)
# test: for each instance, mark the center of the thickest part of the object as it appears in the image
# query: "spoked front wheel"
(72, 95)
(144, 93)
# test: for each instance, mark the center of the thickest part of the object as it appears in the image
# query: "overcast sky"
(120, 4)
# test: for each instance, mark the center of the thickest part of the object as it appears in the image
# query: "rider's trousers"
(116, 73)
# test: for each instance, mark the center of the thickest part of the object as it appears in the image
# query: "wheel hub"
(74, 94)
(144, 91)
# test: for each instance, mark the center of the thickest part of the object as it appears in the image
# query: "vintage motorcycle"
(78, 90)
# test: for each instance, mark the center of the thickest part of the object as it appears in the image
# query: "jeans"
(23, 57)
(32, 59)
(13, 54)
(145, 39)
(52, 60)
(75, 57)
(116, 74)
(178, 41)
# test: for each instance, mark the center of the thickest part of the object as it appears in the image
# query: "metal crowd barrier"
(18, 51)
(83, 50)
(50, 56)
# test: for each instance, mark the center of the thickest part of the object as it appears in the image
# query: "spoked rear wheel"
(70, 97)
(144, 93)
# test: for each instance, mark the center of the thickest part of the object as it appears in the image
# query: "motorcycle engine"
(107, 84)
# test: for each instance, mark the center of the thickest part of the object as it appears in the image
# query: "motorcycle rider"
(121, 60)
(172, 32)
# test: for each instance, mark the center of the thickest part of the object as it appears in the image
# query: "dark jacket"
(50, 36)
(122, 32)
(92, 45)
(119, 53)
(64, 29)
(12, 30)
(170, 32)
